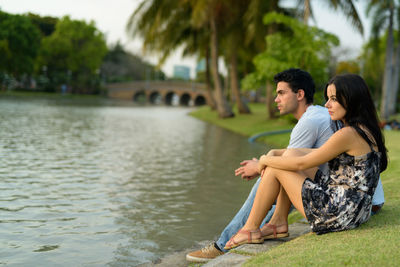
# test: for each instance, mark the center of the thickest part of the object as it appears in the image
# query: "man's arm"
(249, 168)
(304, 135)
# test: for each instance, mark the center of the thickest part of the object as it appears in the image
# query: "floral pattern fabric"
(342, 199)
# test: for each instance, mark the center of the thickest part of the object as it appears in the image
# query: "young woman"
(338, 200)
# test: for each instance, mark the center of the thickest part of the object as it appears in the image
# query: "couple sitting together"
(330, 172)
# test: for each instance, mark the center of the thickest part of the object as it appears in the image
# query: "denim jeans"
(241, 217)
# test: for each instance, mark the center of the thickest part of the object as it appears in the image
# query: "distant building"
(181, 72)
(201, 66)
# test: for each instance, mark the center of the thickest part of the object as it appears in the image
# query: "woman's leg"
(287, 184)
(289, 190)
(278, 221)
(283, 204)
(267, 193)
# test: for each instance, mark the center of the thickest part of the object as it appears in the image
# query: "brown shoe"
(205, 254)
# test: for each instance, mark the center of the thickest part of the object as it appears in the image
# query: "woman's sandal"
(248, 241)
(275, 235)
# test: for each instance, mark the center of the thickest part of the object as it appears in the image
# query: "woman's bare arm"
(342, 141)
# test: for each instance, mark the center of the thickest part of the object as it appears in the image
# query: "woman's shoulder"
(346, 134)
(346, 131)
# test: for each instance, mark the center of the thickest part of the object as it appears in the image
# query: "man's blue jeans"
(241, 217)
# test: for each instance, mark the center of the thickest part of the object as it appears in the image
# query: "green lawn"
(250, 124)
(374, 243)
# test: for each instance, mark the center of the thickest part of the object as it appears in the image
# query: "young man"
(295, 92)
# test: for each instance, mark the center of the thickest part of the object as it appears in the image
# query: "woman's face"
(336, 110)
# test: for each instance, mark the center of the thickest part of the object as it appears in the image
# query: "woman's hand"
(261, 163)
(271, 152)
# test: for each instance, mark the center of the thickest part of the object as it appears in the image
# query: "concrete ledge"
(228, 260)
(235, 257)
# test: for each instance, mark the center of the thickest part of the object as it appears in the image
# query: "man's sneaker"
(205, 254)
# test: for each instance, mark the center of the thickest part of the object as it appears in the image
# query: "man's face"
(286, 100)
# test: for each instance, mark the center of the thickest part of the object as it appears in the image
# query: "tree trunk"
(270, 100)
(307, 11)
(388, 74)
(211, 103)
(395, 81)
(223, 108)
(269, 96)
(242, 107)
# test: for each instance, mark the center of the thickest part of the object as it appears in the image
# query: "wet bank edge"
(235, 257)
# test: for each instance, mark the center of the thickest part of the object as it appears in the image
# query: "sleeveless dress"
(342, 199)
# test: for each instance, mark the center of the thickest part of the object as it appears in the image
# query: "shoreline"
(233, 258)
(237, 256)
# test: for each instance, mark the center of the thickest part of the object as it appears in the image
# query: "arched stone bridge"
(157, 92)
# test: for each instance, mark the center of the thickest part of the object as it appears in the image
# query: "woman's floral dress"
(341, 199)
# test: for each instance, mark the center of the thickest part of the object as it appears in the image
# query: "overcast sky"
(111, 18)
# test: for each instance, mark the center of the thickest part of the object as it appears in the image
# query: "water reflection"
(102, 184)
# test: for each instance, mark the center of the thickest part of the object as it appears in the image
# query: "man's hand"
(248, 169)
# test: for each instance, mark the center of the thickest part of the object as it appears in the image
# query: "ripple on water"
(98, 185)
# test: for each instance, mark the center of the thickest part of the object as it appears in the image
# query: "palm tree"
(384, 13)
(233, 35)
(167, 25)
(210, 13)
(347, 7)
(223, 108)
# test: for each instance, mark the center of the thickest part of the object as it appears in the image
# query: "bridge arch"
(171, 98)
(140, 97)
(155, 98)
(160, 92)
(185, 99)
(200, 100)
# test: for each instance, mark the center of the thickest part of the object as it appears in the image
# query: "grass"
(374, 243)
(250, 124)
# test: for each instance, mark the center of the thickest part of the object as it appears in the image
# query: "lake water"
(94, 184)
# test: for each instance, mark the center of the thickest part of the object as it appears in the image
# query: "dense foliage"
(19, 44)
(52, 54)
(120, 65)
(73, 54)
(298, 46)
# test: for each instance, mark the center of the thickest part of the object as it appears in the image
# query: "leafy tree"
(302, 46)
(272, 28)
(119, 65)
(350, 66)
(46, 24)
(73, 54)
(19, 44)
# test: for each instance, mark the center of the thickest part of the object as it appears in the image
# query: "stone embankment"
(235, 257)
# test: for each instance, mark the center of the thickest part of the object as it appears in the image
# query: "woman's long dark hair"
(353, 94)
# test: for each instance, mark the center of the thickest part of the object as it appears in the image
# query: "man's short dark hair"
(298, 79)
